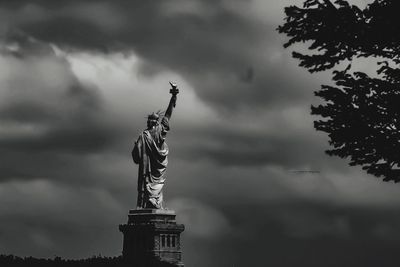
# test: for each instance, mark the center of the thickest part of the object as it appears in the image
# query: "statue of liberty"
(150, 152)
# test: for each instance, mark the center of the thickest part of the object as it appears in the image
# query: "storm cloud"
(213, 44)
(247, 174)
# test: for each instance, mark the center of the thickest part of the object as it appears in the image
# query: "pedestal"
(152, 238)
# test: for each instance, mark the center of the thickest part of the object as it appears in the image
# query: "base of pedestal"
(152, 238)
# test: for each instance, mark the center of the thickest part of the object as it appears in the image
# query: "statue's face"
(151, 123)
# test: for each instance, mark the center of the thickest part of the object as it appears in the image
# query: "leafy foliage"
(14, 261)
(98, 261)
(361, 114)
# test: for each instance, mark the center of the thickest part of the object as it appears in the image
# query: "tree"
(361, 112)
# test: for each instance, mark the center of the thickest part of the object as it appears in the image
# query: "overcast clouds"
(77, 79)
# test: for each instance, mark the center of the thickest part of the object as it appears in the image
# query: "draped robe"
(150, 152)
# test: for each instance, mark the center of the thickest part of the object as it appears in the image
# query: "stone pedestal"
(152, 238)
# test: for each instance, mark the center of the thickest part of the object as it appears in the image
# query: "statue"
(150, 152)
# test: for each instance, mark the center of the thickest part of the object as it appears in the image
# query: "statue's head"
(152, 120)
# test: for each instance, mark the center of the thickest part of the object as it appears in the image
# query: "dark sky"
(77, 79)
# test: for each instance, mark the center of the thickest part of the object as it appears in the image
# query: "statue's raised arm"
(172, 102)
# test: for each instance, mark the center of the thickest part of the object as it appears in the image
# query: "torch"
(174, 90)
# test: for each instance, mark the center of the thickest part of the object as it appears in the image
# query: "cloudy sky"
(77, 79)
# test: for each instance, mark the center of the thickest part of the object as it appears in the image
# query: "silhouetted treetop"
(361, 114)
(343, 31)
(97, 261)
